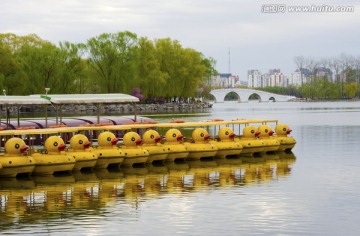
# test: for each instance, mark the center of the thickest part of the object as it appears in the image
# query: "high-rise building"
(254, 79)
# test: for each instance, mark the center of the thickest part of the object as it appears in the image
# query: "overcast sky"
(256, 39)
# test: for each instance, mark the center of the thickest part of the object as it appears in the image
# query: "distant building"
(271, 79)
(277, 79)
(299, 77)
(266, 80)
(254, 79)
(225, 80)
(323, 72)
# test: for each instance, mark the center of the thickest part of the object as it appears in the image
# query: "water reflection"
(39, 198)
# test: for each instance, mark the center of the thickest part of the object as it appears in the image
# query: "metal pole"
(98, 112)
(60, 114)
(46, 116)
(57, 114)
(18, 115)
(7, 116)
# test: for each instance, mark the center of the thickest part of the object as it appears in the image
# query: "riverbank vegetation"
(109, 63)
(324, 79)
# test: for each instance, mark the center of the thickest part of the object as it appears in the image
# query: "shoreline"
(112, 108)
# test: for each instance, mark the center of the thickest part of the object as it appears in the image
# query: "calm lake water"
(314, 191)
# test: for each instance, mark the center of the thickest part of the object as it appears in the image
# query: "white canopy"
(88, 98)
(22, 100)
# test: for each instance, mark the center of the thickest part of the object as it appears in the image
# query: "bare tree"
(299, 61)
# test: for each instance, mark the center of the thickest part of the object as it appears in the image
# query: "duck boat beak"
(86, 145)
(24, 148)
(158, 139)
(62, 147)
(138, 142)
(114, 141)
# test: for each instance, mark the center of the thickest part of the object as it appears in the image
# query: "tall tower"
(229, 62)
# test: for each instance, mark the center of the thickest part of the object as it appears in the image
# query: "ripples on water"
(318, 194)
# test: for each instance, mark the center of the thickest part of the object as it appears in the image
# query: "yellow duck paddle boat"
(157, 151)
(250, 142)
(80, 150)
(15, 161)
(227, 146)
(287, 143)
(107, 152)
(53, 158)
(200, 147)
(174, 144)
(134, 152)
(266, 135)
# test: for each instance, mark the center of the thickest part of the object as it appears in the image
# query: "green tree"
(351, 89)
(41, 64)
(112, 57)
(8, 69)
(151, 78)
(72, 68)
(18, 81)
(185, 67)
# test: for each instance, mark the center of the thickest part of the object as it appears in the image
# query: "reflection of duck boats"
(202, 172)
(155, 180)
(50, 192)
(133, 183)
(104, 174)
(14, 206)
(290, 156)
(56, 180)
(92, 192)
(17, 183)
(85, 176)
(230, 172)
(284, 164)
(175, 177)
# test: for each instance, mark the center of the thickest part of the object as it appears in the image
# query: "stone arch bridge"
(244, 95)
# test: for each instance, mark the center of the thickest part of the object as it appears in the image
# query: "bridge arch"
(244, 94)
(258, 97)
(236, 94)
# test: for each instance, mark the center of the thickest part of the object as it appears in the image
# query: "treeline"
(109, 63)
(329, 78)
(325, 78)
(318, 89)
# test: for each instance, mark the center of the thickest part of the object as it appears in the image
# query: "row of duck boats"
(74, 151)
